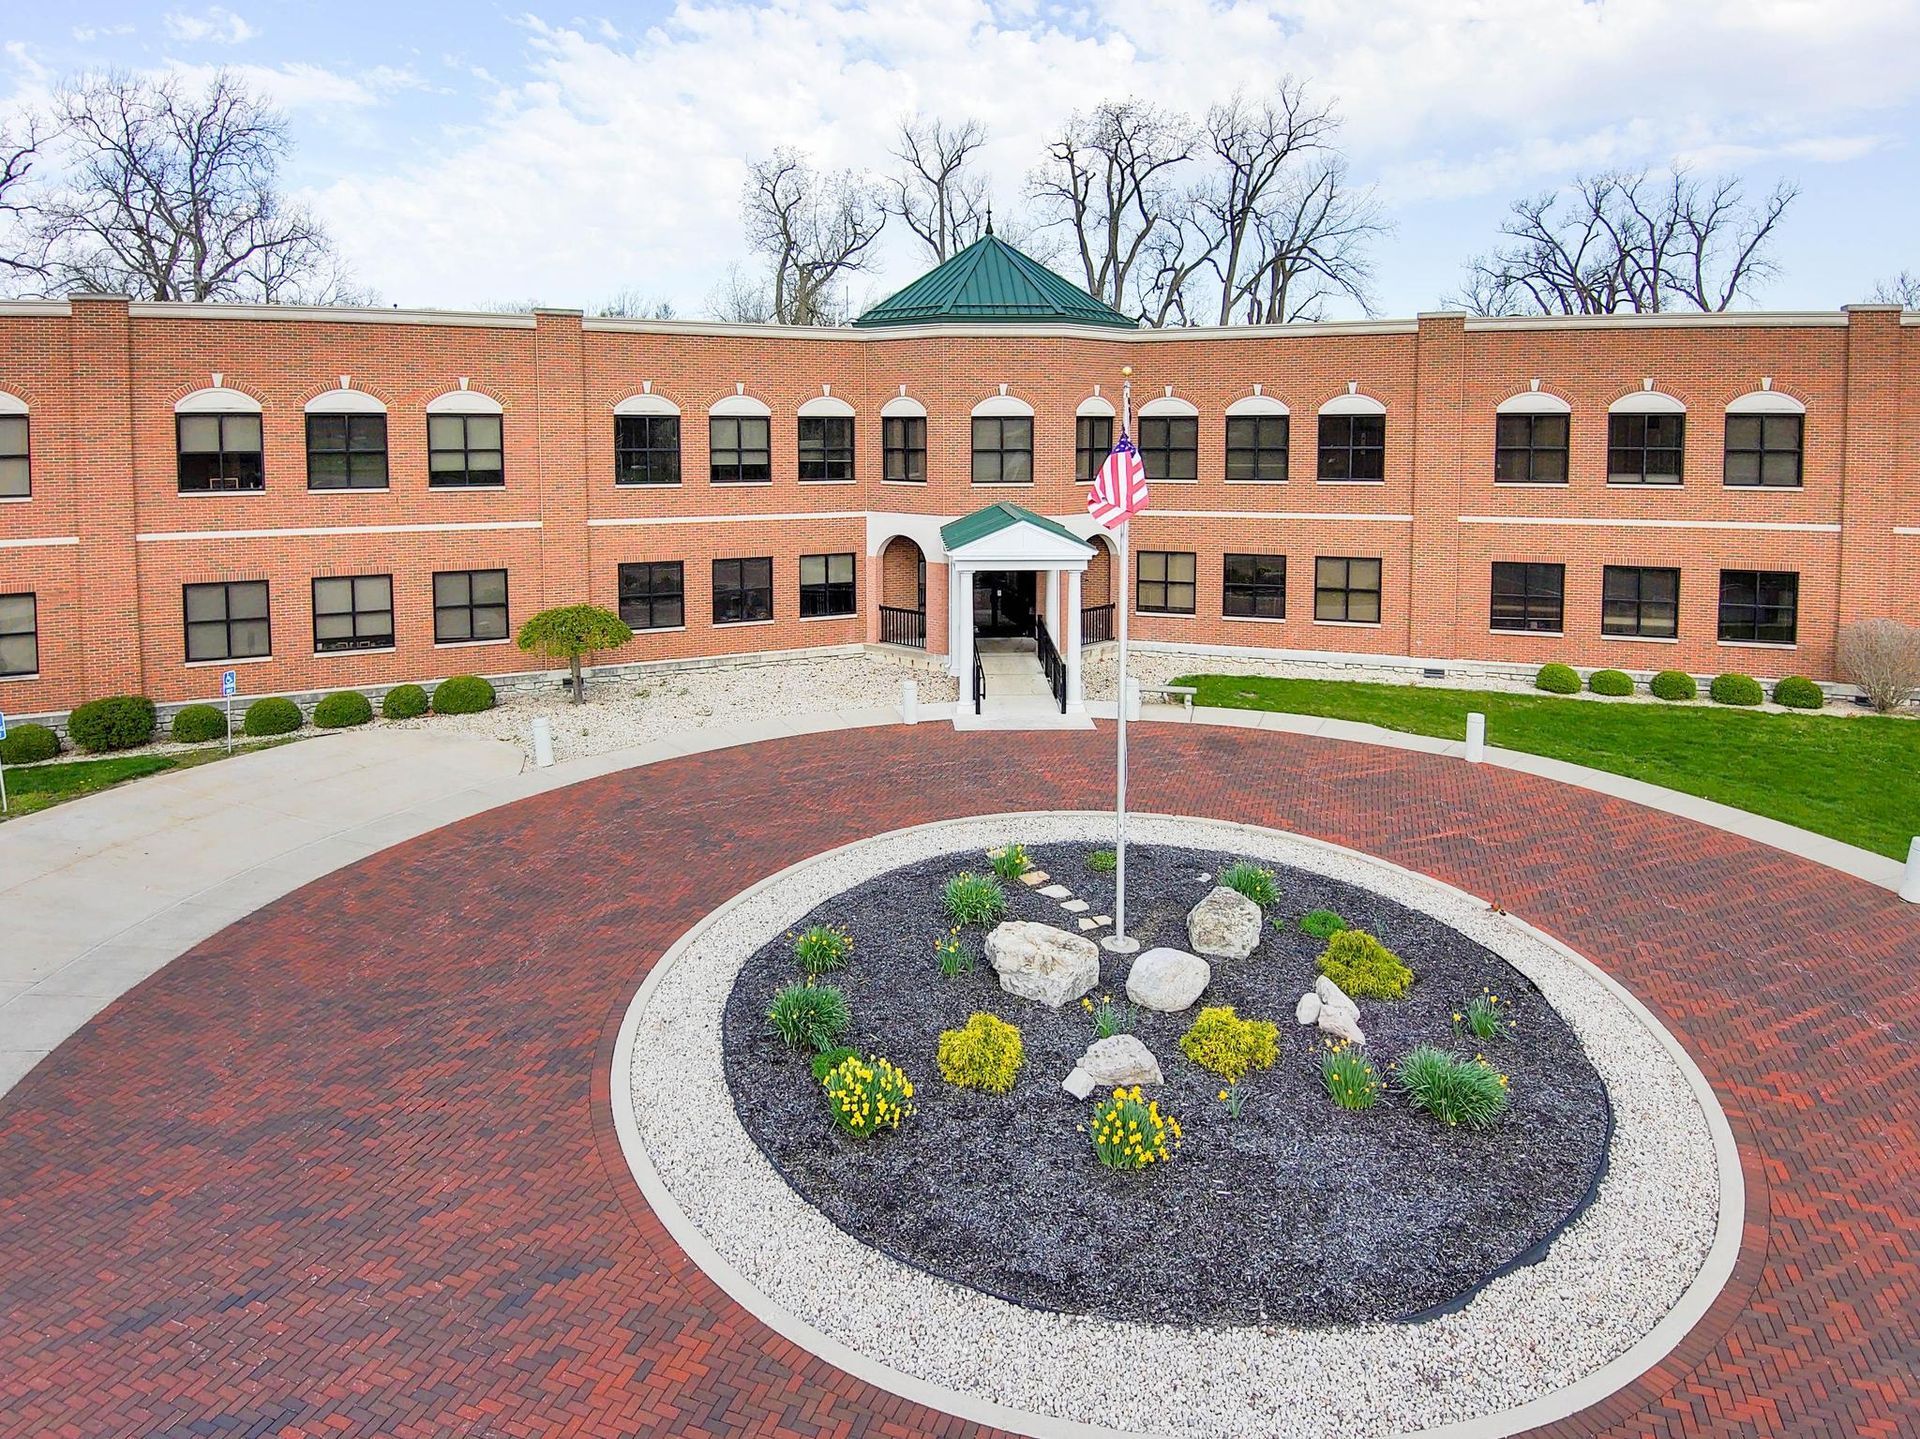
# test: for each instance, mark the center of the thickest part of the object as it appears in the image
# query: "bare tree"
(22, 256)
(934, 193)
(635, 304)
(1883, 658)
(1630, 241)
(1311, 244)
(741, 299)
(814, 231)
(1902, 290)
(174, 195)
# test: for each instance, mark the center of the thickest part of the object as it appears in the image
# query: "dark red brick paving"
(346, 1168)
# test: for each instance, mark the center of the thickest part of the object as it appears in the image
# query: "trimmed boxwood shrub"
(1673, 685)
(28, 744)
(341, 709)
(196, 724)
(270, 716)
(1557, 680)
(1797, 692)
(1613, 683)
(462, 695)
(117, 723)
(404, 702)
(1736, 689)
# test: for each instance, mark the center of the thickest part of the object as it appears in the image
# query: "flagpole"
(1121, 943)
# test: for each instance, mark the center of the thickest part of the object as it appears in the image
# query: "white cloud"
(84, 33)
(216, 25)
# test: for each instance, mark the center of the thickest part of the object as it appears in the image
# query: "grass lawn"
(1854, 778)
(39, 786)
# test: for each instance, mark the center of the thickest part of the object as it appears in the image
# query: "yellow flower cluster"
(1230, 1046)
(868, 1095)
(1348, 1076)
(1130, 1132)
(952, 954)
(1010, 860)
(1485, 1017)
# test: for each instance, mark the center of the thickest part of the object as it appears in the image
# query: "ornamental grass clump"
(821, 948)
(1245, 877)
(1321, 923)
(1010, 861)
(1229, 1046)
(810, 1016)
(974, 898)
(828, 1060)
(955, 958)
(1364, 967)
(868, 1095)
(1457, 1092)
(1348, 1077)
(985, 1054)
(1484, 1017)
(1130, 1132)
(1109, 1018)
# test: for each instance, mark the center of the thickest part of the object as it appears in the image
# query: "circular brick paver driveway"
(347, 1168)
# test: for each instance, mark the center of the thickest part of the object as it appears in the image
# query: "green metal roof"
(990, 280)
(993, 519)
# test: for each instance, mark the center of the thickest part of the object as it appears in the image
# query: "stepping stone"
(1087, 924)
(1057, 891)
(1075, 906)
(1034, 876)
(1099, 919)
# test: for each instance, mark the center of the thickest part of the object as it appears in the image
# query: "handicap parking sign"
(3, 724)
(229, 686)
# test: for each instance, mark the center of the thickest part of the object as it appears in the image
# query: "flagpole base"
(1120, 944)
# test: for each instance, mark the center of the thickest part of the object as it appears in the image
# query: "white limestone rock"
(1119, 1060)
(1168, 980)
(1038, 962)
(1308, 1009)
(1079, 1084)
(1332, 996)
(1340, 1025)
(1224, 925)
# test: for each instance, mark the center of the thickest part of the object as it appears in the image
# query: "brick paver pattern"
(347, 1168)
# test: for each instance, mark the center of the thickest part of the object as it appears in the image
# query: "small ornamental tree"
(572, 632)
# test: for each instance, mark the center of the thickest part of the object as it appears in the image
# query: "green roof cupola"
(992, 282)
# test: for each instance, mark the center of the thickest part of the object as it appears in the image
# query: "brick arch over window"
(315, 398)
(1096, 586)
(902, 574)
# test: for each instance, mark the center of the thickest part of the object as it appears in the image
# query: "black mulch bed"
(1297, 1212)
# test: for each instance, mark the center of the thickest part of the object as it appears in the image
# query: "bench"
(1184, 692)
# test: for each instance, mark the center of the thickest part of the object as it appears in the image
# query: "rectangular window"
(1764, 450)
(19, 635)
(469, 605)
(1347, 590)
(346, 452)
(1092, 443)
(826, 447)
(653, 595)
(352, 612)
(1167, 584)
(1170, 447)
(463, 452)
(1353, 447)
(227, 621)
(742, 591)
(826, 585)
(1640, 601)
(1528, 596)
(1759, 606)
(16, 481)
(904, 443)
(1002, 450)
(220, 452)
(646, 450)
(1645, 449)
(1256, 587)
(1530, 450)
(1257, 447)
(740, 450)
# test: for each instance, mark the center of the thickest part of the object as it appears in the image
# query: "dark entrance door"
(1003, 602)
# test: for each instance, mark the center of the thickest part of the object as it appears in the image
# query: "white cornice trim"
(1275, 515)
(1753, 319)
(447, 527)
(39, 542)
(38, 308)
(329, 314)
(1592, 522)
(724, 519)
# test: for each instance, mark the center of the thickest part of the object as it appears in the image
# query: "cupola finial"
(989, 217)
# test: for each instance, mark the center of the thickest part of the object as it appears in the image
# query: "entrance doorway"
(1003, 603)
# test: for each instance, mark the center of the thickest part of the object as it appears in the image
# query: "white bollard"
(909, 702)
(1133, 699)
(1910, 887)
(1476, 737)
(542, 742)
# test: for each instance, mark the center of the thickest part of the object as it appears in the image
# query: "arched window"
(646, 441)
(1257, 436)
(1003, 441)
(740, 441)
(1169, 439)
(464, 442)
(1092, 437)
(826, 441)
(1530, 439)
(346, 441)
(1353, 438)
(1646, 439)
(1766, 432)
(16, 479)
(903, 441)
(218, 433)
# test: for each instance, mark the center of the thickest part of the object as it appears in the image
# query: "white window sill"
(910, 484)
(1255, 619)
(466, 489)
(1350, 482)
(1139, 614)
(740, 624)
(349, 654)
(1283, 482)
(1003, 484)
(1763, 489)
(16, 499)
(1533, 634)
(468, 644)
(1644, 485)
(649, 484)
(816, 619)
(827, 482)
(1531, 485)
(350, 490)
(10, 679)
(739, 484)
(1757, 645)
(222, 494)
(1168, 480)
(661, 630)
(227, 664)
(1350, 624)
(1644, 639)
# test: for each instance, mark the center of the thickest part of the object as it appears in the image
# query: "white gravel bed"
(1605, 1282)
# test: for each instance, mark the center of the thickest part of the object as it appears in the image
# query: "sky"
(472, 153)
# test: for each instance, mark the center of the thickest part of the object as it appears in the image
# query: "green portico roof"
(997, 517)
(992, 281)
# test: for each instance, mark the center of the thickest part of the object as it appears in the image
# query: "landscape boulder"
(1037, 961)
(1224, 925)
(1168, 980)
(1337, 1014)
(1116, 1062)
(1307, 1011)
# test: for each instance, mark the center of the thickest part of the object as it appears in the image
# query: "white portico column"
(1072, 651)
(1052, 611)
(960, 619)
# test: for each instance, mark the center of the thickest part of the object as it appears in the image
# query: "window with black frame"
(1759, 606)
(1645, 449)
(1003, 449)
(1640, 602)
(1353, 447)
(1255, 587)
(469, 605)
(1763, 451)
(740, 449)
(346, 452)
(1092, 443)
(1528, 597)
(1530, 449)
(903, 444)
(1257, 448)
(220, 453)
(742, 591)
(464, 452)
(826, 448)
(1167, 582)
(1346, 590)
(646, 450)
(227, 621)
(653, 595)
(352, 612)
(826, 585)
(19, 635)
(16, 476)
(1170, 446)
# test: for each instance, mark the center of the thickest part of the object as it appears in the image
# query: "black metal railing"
(1096, 624)
(979, 679)
(1051, 664)
(903, 627)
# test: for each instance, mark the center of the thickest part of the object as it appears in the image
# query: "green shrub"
(1230, 1046)
(1245, 877)
(342, 710)
(974, 898)
(828, 1060)
(985, 1054)
(1454, 1091)
(1103, 861)
(1484, 1017)
(1364, 967)
(1321, 923)
(1010, 861)
(1109, 1018)
(1797, 692)
(810, 1016)
(1673, 685)
(868, 1095)
(821, 947)
(1735, 689)
(1130, 1132)
(954, 956)
(1612, 683)
(28, 744)
(404, 702)
(1348, 1077)
(196, 724)
(462, 695)
(117, 723)
(1557, 680)
(270, 716)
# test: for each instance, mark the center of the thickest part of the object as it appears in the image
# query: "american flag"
(1120, 489)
